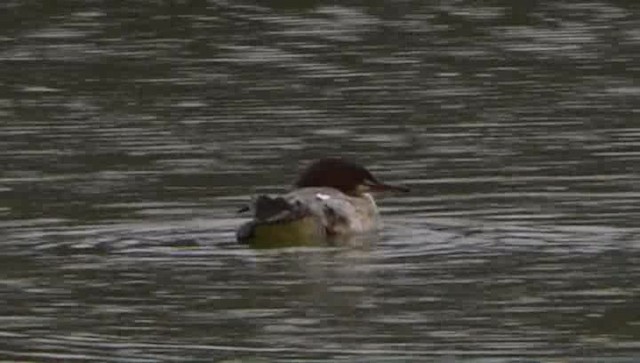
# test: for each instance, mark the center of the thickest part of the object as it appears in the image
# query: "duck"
(330, 201)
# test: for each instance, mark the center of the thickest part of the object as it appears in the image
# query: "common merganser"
(330, 200)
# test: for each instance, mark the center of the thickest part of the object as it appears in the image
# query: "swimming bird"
(330, 200)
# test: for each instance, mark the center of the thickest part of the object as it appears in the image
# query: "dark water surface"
(131, 132)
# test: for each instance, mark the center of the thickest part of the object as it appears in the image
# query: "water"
(130, 133)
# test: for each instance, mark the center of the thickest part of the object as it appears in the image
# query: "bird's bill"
(382, 187)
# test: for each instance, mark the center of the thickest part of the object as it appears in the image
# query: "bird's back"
(308, 215)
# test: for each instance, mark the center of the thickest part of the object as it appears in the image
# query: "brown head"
(348, 177)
